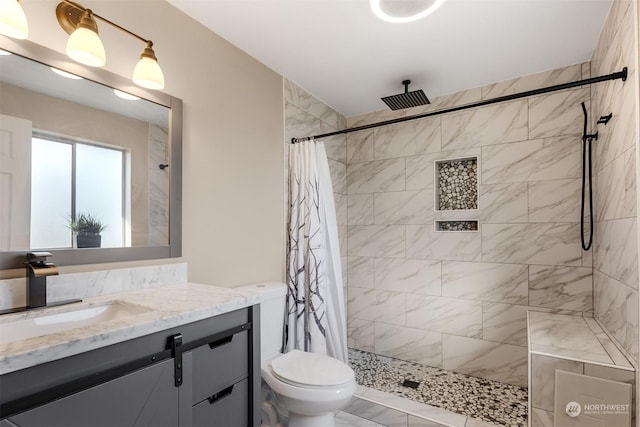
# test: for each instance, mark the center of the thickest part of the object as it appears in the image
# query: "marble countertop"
(573, 338)
(166, 307)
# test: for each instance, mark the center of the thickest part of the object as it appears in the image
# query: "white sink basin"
(37, 323)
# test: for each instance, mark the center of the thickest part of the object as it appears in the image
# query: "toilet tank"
(272, 315)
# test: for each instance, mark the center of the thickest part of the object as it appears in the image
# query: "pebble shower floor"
(486, 400)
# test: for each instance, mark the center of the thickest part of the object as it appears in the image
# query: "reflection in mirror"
(83, 165)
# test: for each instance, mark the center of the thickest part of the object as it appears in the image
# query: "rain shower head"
(407, 99)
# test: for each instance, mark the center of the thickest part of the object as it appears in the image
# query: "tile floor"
(479, 399)
(344, 419)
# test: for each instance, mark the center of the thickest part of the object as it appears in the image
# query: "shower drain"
(410, 384)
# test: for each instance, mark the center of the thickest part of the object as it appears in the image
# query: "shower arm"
(613, 76)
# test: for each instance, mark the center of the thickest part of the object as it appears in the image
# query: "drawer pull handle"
(220, 395)
(220, 342)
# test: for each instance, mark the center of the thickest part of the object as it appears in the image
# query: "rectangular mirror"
(90, 164)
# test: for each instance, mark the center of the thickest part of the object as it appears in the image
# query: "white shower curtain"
(315, 302)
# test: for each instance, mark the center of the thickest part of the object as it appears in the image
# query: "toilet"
(299, 389)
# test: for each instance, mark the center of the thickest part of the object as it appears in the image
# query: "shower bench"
(577, 374)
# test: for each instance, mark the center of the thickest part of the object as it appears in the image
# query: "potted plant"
(86, 230)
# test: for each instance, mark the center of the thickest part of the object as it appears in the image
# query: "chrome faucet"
(37, 271)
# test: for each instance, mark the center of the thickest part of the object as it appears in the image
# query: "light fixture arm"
(85, 46)
(69, 14)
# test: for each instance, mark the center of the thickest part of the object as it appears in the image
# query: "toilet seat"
(311, 370)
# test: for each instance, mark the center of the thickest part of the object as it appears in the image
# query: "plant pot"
(88, 240)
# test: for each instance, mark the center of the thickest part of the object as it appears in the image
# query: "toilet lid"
(311, 369)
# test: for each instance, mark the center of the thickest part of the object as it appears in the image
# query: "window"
(68, 178)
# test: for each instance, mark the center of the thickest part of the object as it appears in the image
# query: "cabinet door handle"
(220, 342)
(220, 395)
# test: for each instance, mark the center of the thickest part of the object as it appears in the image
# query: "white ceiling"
(345, 56)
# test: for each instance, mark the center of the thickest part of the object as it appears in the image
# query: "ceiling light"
(65, 74)
(13, 22)
(399, 11)
(147, 72)
(125, 95)
(85, 46)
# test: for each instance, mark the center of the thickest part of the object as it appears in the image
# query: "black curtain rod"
(613, 76)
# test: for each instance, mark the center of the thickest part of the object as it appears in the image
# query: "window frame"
(125, 202)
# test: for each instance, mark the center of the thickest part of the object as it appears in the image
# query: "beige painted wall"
(233, 164)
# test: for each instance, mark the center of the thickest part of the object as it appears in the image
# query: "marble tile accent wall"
(94, 283)
(533, 160)
(496, 282)
(490, 125)
(615, 248)
(465, 294)
(567, 288)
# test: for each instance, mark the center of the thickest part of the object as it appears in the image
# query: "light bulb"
(84, 44)
(148, 72)
(85, 47)
(13, 22)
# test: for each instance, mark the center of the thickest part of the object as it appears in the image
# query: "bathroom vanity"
(179, 355)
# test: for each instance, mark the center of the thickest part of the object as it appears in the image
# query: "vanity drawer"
(220, 364)
(229, 408)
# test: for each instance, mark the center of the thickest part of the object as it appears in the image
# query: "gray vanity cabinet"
(205, 373)
(221, 395)
(146, 397)
(229, 409)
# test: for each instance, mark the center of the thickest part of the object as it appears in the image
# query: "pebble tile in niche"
(457, 184)
(486, 400)
(457, 225)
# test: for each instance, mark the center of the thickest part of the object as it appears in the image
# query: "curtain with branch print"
(315, 301)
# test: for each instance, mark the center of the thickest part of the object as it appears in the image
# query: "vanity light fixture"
(401, 11)
(147, 72)
(85, 46)
(13, 22)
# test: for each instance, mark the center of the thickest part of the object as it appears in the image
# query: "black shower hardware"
(587, 139)
(613, 76)
(415, 98)
(603, 120)
(163, 166)
(586, 150)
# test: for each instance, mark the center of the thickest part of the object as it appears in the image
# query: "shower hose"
(586, 170)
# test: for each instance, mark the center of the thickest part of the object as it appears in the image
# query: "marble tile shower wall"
(305, 115)
(158, 186)
(615, 250)
(458, 300)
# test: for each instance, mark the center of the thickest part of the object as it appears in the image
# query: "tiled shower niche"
(456, 190)
(466, 225)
